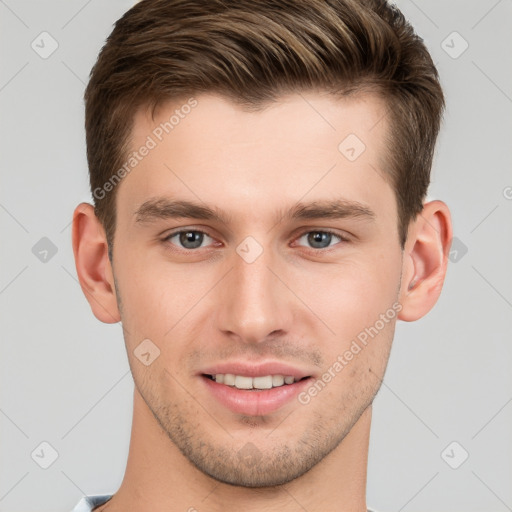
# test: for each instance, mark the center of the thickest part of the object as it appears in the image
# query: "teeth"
(243, 382)
(262, 382)
(229, 379)
(277, 380)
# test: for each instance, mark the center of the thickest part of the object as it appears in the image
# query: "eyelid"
(177, 231)
(343, 238)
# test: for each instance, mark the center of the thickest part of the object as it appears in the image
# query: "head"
(304, 133)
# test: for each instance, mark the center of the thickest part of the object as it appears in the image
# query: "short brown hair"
(253, 51)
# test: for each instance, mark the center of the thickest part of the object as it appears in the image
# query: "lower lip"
(255, 402)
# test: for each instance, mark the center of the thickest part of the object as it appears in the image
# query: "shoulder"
(89, 503)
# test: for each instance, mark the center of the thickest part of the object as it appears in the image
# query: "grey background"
(65, 377)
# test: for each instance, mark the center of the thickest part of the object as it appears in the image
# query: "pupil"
(191, 239)
(316, 238)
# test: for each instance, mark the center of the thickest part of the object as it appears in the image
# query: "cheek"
(157, 298)
(352, 295)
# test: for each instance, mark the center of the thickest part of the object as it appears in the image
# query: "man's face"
(264, 290)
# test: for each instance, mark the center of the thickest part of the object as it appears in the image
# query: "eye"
(321, 239)
(188, 238)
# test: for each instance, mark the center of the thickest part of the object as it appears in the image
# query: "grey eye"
(189, 239)
(319, 239)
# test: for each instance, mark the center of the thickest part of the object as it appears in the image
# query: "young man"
(259, 172)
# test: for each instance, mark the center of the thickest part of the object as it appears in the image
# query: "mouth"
(259, 394)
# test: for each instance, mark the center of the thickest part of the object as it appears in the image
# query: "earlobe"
(425, 260)
(93, 265)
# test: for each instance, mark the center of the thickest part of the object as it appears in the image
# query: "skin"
(298, 303)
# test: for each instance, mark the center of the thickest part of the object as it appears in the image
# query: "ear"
(425, 261)
(93, 265)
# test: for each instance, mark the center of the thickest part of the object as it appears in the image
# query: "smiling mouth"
(247, 383)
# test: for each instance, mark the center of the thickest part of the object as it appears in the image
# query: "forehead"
(287, 120)
(304, 145)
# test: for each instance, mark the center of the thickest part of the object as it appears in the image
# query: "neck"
(158, 477)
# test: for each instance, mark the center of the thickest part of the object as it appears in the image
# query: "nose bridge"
(253, 305)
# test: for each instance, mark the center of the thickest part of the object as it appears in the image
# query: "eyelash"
(342, 238)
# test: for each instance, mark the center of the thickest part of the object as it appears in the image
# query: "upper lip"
(255, 370)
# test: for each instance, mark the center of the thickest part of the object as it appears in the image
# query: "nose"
(254, 304)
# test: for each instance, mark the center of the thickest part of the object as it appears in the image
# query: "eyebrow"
(161, 208)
